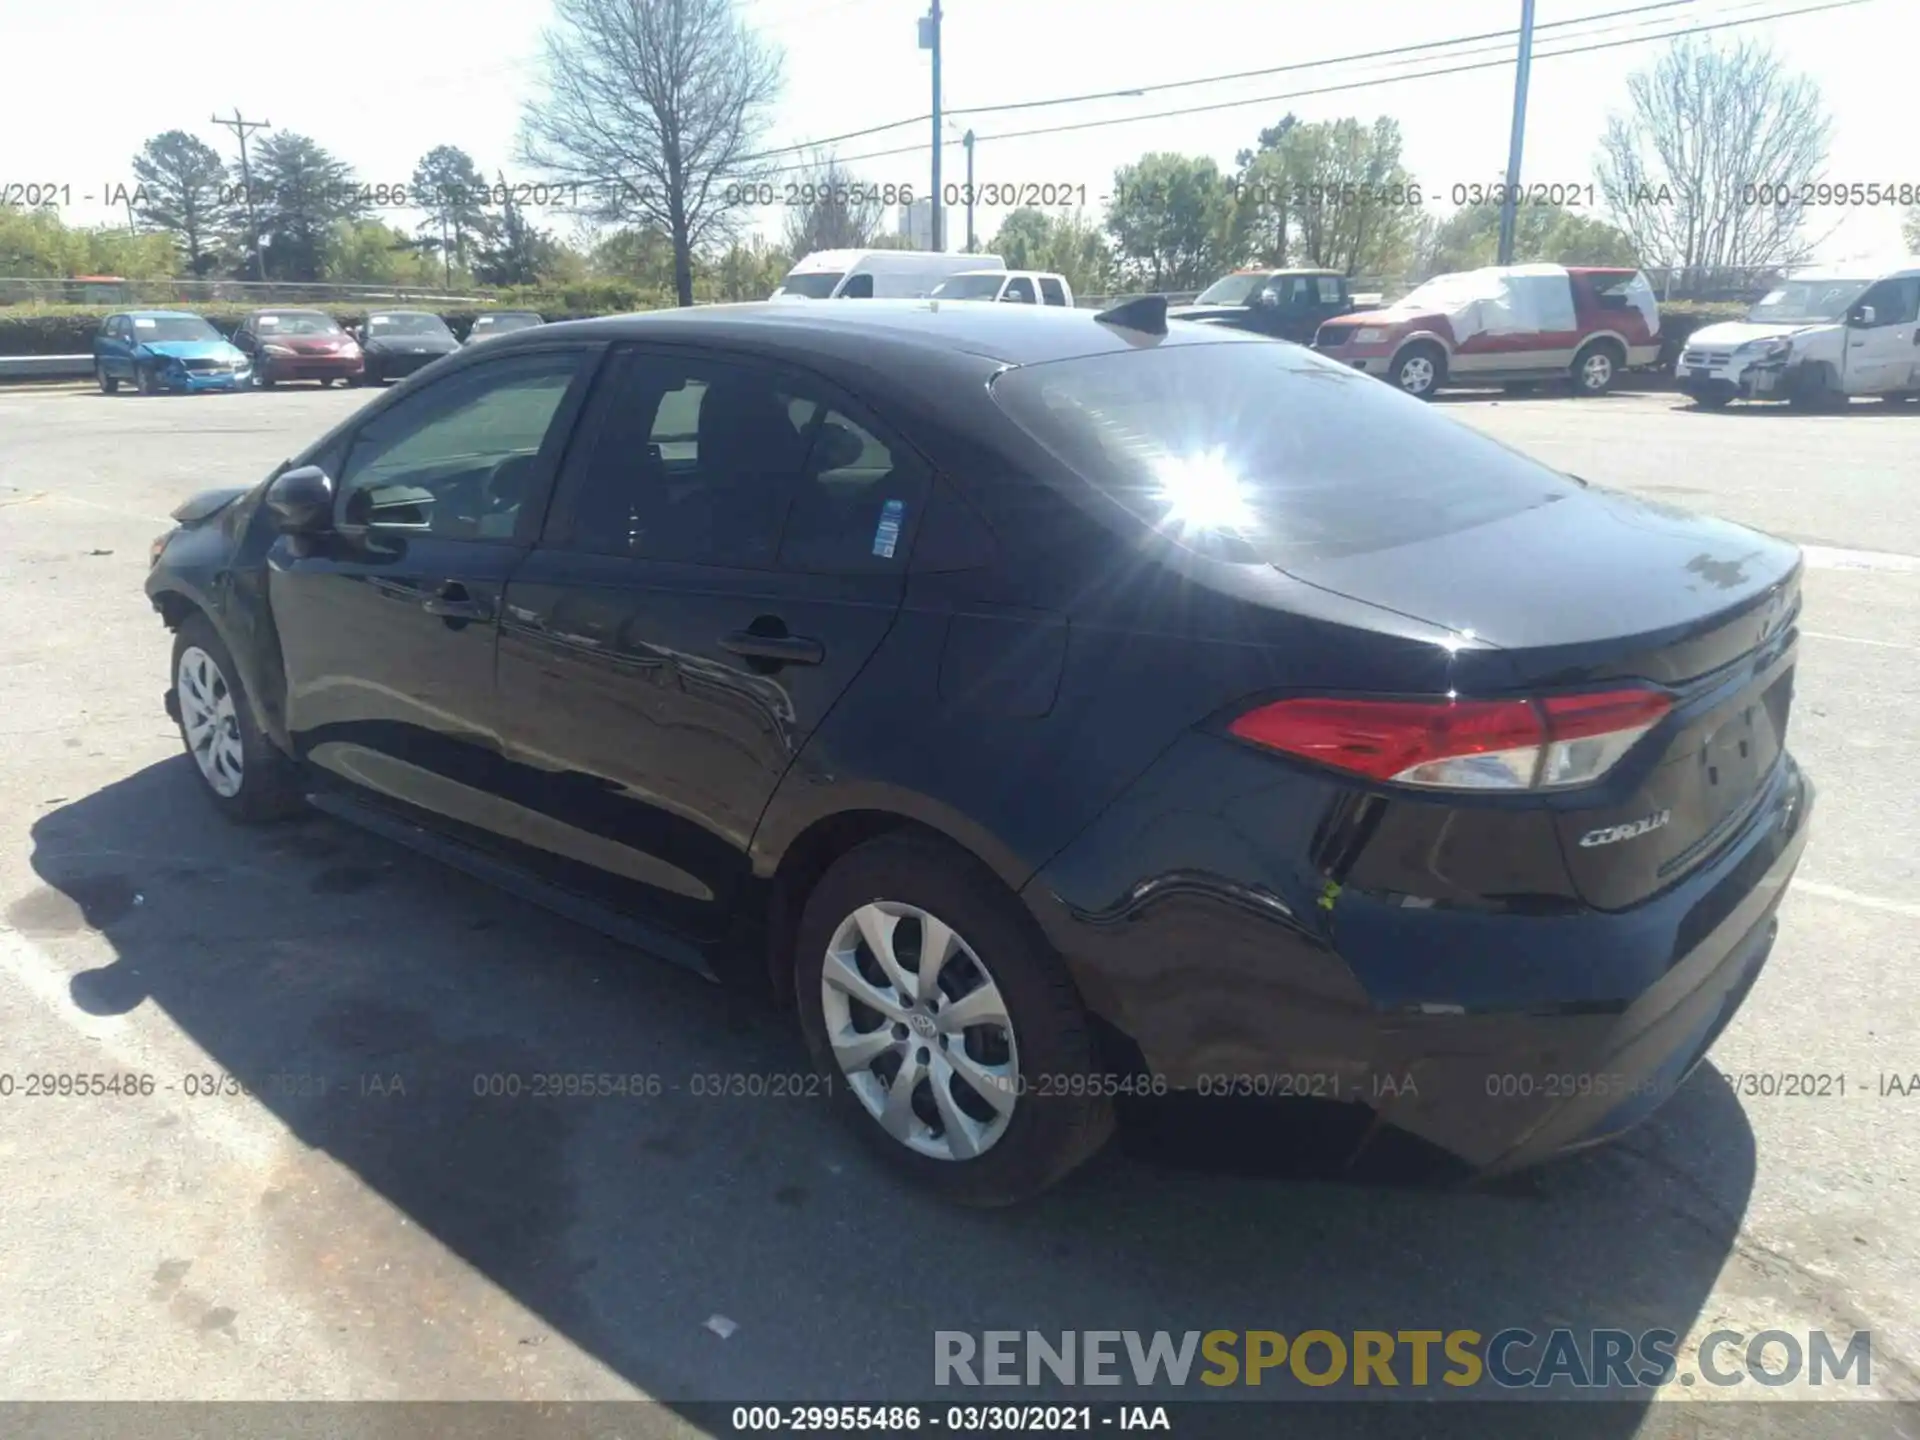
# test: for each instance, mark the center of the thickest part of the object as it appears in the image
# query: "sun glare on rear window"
(1264, 452)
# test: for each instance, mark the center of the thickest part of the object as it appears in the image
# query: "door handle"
(780, 649)
(451, 602)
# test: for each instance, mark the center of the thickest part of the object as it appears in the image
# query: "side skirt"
(503, 876)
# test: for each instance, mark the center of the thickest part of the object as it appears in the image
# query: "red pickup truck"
(1509, 325)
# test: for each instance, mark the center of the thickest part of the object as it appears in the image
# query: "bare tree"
(1708, 173)
(1910, 228)
(654, 108)
(835, 211)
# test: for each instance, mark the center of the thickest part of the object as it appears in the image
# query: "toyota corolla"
(1045, 705)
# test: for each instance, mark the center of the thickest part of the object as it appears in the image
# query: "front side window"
(460, 458)
(1894, 301)
(1333, 290)
(858, 287)
(1019, 291)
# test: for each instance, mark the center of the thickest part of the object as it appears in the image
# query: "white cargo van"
(876, 274)
(1016, 287)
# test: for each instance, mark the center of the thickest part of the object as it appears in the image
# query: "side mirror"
(1863, 316)
(1270, 299)
(302, 501)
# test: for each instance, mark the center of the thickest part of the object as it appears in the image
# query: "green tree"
(371, 252)
(1351, 205)
(448, 187)
(182, 178)
(1261, 227)
(1168, 220)
(300, 192)
(1553, 234)
(747, 271)
(34, 245)
(518, 252)
(1067, 244)
(636, 253)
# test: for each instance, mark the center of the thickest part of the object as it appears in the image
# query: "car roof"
(499, 314)
(404, 311)
(289, 310)
(160, 315)
(868, 330)
(1285, 270)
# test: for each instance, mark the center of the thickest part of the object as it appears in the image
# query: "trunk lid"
(1601, 589)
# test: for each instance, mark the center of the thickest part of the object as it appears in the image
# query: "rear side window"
(1332, 289)
(1254, 452)
(1051, 292)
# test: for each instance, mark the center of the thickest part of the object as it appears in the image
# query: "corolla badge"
(1633, 829)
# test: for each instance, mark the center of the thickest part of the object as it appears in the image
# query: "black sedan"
(398, 342)
(1049, 707)
(501, 322)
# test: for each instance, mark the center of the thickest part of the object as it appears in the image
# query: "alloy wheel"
(1596, 372)
(210, 722)
(1416, 375)
(920, 1030)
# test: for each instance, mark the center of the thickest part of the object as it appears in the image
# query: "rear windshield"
(407, 322)
(297, 322)
(1263, 452)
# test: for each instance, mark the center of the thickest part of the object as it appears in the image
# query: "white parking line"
(1854, 897)
(1826, 557)
(252, 1135)
(1859, 640)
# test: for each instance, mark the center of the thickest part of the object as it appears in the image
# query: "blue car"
(156, 350)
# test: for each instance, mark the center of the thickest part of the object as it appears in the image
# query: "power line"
(1138, 90)
(1349, 85)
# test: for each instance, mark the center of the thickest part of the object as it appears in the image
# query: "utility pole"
(968, 142)
(241, 127)
(930, 40)
(1509, 200)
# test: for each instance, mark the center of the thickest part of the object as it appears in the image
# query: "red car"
(299, 345)
(1510, 325)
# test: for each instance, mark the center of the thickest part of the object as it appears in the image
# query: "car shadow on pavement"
(627, 1222)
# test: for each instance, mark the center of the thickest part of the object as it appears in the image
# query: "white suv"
(1020, 287)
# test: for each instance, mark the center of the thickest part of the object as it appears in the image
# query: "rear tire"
(108, 384)
(1013, 1009)
(1596, 368)
(1419, 370)
(248, 780)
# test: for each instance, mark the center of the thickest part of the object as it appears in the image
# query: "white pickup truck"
(1019, 287)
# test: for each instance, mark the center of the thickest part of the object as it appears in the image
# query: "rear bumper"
(1503, 1038)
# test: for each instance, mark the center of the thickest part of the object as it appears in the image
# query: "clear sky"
(380, 82)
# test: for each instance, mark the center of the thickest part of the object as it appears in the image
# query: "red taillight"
(1552, 743)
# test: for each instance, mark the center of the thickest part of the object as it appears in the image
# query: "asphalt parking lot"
(400, 1237)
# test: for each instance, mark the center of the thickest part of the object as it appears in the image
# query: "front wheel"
(247, 779)
(108, 384)
(1419, 370)
(143, 380)
(951, 1033)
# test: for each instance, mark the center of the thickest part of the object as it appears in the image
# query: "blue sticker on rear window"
(886, 535)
